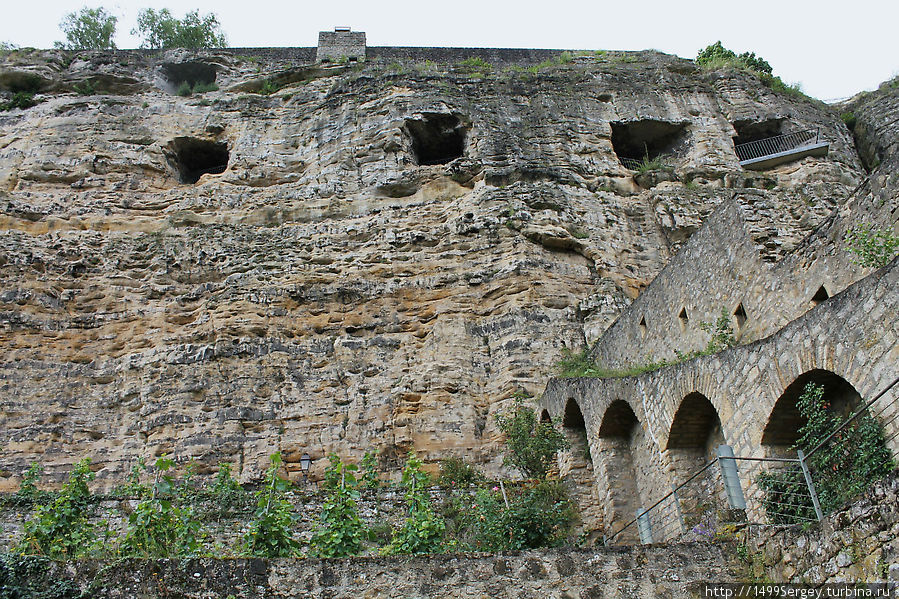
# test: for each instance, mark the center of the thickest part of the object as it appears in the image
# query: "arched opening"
(842, 457)
(617, 483)
(545, 417)
(576, 465)
(693, 442)
(783, 428)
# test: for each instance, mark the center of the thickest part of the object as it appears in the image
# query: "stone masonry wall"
(760, 253)
(853, 335)
(859, 543)
(658, 571)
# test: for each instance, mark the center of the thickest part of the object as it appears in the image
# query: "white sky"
(834, 49)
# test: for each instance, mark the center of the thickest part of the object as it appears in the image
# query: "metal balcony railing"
(781, 144)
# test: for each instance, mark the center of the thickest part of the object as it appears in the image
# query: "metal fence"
(776, 145)
(773, 490)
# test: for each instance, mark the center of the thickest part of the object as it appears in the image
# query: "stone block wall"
(853, 335)
(859, 543)
(339, 45)
(657, 571)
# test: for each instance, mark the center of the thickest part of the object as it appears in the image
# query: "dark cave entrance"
(637, 141)
(193, 73)
(436, 138)
(193, 157)
(748, 131)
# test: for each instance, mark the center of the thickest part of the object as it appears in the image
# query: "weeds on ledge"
(573, 365)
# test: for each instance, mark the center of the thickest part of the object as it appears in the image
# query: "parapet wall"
(661, 571)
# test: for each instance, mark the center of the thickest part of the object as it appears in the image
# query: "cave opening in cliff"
(436, 138)
(638, 142)
(193, 74)
(193, 157)
(748, 131)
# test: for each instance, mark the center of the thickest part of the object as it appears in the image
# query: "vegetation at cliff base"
(532, 444)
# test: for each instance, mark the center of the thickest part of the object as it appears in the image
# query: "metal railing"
(787, 493)
(776, 145)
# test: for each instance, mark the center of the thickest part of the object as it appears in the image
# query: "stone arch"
(576, 464)
(544, 416)
(781, 431)
(617, 483)
(693, 440)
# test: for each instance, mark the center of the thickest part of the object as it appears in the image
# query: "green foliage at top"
(717, 56)
(271, 531)
(160, 526)
(532, 445)
(423, 530)
(538, 514)
(160, 29)
(88, 29)
(871, 246)
(62, 529)
(340, 531)
(841, 469)
(476, 66)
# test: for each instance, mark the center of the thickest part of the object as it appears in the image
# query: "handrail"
(776, 145)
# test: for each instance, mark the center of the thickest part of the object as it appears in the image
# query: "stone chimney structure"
(340, 44)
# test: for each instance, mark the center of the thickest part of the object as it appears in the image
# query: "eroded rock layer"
(369, 258)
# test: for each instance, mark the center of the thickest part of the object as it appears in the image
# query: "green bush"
(532, 445)
(21, 100)
(162, 524)
(423, 529)
(717, 56)
(340, 531)
(85, 88)
(456, 472)
(842, 468)
(62, 529)
(539, 514)
(28, 488)
(184, 89)
(271, 531)
(370, 477)
(871, 246)
(850, 119)
(202, 88)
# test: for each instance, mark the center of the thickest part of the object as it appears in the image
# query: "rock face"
(373, 257)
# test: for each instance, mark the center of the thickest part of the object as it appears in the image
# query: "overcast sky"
(833, 49)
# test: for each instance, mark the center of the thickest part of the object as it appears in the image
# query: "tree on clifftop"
(88, 29)
(159, 29)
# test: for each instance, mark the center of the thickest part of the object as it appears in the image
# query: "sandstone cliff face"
(373, 257)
